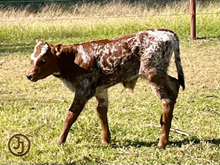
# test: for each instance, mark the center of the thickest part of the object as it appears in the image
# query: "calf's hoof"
(104, 142)
(160, 147)
(60, 142)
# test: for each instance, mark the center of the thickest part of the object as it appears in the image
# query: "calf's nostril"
(29, 77)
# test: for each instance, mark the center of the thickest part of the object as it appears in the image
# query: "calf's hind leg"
(166, 88)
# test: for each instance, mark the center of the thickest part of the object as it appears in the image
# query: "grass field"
(37, 110)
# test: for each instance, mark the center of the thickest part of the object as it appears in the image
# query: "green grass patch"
(85, 22)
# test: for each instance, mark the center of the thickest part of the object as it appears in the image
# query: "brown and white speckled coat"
(88, 69)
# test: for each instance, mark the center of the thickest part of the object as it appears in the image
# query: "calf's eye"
(43, 61)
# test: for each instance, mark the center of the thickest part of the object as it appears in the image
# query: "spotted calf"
(90, 68)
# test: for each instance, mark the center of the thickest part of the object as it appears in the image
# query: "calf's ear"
(58, 49)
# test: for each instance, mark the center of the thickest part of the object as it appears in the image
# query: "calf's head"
(44, 61)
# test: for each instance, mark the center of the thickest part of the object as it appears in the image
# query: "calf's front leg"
(82, 95)
(102, 109)
(71, 117)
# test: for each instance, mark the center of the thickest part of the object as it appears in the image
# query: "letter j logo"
(19, 145)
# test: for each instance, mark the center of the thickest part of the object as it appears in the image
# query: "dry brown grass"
(111, 9)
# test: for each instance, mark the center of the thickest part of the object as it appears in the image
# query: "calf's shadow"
(173, 143)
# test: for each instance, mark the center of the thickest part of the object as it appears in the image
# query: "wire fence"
(36, 1)
(98, 17)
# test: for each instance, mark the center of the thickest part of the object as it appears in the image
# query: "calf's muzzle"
(29, 77)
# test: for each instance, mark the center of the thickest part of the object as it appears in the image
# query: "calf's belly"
(123, 73)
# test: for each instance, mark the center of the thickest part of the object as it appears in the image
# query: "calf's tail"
(178, 62)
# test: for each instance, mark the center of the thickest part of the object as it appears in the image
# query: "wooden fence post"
(193, 19)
